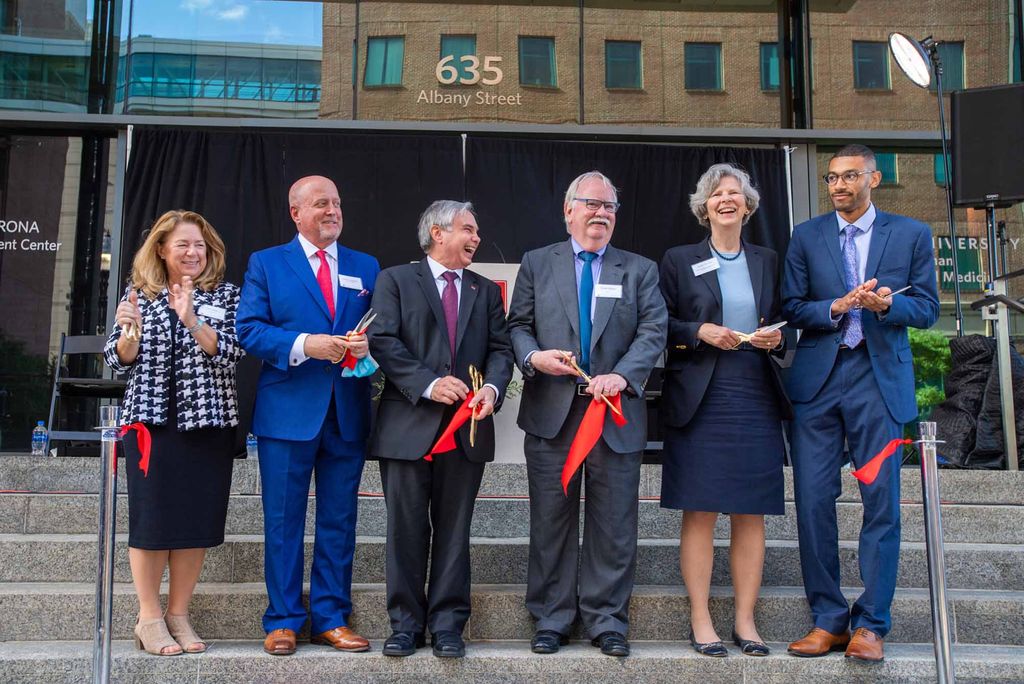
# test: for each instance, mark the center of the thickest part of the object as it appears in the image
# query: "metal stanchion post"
(109, 423)
(936, 554)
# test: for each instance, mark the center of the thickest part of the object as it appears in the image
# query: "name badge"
(610, 291)
(706, 266)
(211, 311)
(350, 282)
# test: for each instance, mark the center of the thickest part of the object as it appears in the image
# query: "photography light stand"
(913, 59)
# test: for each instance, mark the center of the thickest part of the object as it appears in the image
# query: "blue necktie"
(852, 329)
(586, 294)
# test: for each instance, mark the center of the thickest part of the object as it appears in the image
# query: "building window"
(886, 163)
(384, 57)
(703, 65)
(939, 170)
(623, 64)
(770, 66)
(952, 56)
(537, 62)
(458, 47)
(871, 66)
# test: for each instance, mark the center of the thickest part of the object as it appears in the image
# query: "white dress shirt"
(298, 354)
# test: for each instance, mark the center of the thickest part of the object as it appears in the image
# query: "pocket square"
(362, 293)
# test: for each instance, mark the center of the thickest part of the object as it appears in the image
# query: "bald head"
(315, 207)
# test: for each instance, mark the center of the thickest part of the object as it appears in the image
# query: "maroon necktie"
(323, 277)
(450, 304)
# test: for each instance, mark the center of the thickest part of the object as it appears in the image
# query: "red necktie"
(323, 276)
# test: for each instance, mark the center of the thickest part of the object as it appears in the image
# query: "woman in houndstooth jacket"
(174, 335)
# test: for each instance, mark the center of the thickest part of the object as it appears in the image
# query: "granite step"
(24, 473)
(499, 517)
(72, 558)
(239, 662)
(44, 611)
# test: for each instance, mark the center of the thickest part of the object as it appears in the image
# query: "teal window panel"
(141, 79)
(623, 64)
(770, 71)
(459, 47)
(952, 56)
(939, 170)
(384, 58)
(886, 163)
(871, 66)
(703, 66)
(537, 61)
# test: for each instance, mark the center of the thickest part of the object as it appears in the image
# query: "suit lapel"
(879, 236)
(297, 261)
(755, 267)
(611, 274)
(563, 275)
(829, 228)
(429, 288)
(710, 278)
(470, 289)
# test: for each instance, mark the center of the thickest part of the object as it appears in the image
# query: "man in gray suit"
(584, 300)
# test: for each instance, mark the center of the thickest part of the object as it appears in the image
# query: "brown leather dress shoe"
(343, 639)
(866, 645)
(280, 642)
(819, 642)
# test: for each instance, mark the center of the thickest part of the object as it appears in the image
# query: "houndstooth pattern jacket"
(204, 385)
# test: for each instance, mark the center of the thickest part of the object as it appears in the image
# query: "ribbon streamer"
(868, 472)
(446, 442)
(143, 438)
(587, 435)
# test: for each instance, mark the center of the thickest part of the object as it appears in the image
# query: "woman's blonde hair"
(149, 273)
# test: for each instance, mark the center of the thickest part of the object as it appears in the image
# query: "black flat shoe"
(401, 644)
(750, 647)
(715, 649)
(448, 645)
(547, 641)
(611, 644)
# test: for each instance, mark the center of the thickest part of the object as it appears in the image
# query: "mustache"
(598, 219)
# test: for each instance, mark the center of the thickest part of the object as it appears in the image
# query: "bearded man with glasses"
(588, 323)
(854, 281)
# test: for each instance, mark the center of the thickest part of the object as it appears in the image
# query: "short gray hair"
(440, 213)
(570, 194)
(710, 180)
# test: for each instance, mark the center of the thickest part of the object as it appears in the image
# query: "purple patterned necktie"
(852, 330)
(450, 304)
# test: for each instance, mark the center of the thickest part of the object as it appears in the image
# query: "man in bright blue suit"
(853, 380)
(299, 304)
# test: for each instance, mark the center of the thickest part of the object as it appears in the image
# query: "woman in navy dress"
(722, 401)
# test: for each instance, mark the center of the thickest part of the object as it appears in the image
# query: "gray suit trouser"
(604, 582)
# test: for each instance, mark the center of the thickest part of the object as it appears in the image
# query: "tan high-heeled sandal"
(152, 636)
(181, 629)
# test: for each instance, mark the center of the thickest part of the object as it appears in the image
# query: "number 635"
(447, 73)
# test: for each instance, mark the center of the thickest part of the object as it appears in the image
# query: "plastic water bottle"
(250, 445)
(39, 439)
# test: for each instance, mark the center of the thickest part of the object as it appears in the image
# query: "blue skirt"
(728, 458)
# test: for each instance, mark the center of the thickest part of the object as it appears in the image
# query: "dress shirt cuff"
(835, 320)
(298, 353)
(430, 388)
(497, 394)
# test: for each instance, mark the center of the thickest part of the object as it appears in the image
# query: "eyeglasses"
(848, 177)
(595, 204)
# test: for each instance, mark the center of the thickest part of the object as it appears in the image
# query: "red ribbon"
(349, 361)
(587, 435)
(446, 442)
(869, 471)
(144, 440)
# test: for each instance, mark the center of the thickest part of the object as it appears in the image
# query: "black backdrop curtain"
(239, 181)
(518, 187)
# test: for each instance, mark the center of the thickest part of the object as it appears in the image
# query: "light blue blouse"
(739, 310)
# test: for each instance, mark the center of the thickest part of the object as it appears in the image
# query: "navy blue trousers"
(848, 406)
(285, 470)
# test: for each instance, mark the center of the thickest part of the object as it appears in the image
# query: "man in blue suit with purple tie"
(299, 302)
(852, 381)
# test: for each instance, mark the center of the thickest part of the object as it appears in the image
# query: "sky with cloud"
(249, 21)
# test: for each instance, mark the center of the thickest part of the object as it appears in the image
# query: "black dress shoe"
(448, 645)
(612, 644)
(402, 643)
(750, 647)
(715, 649)
(548, 641)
